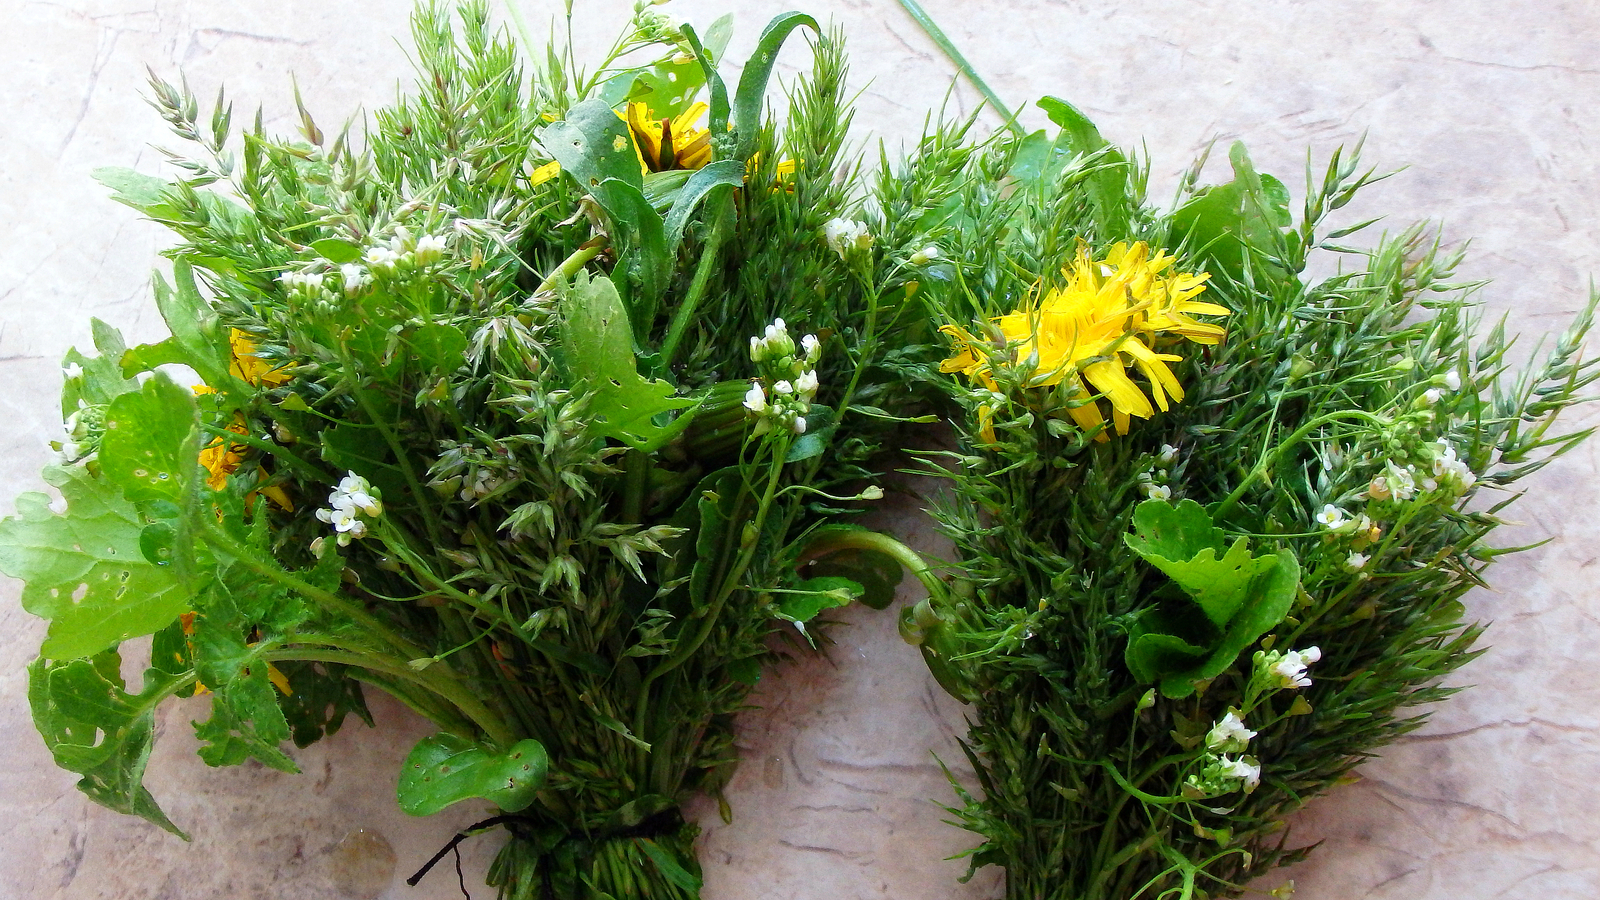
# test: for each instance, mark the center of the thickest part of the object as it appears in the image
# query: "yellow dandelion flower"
(250, 368)
(1108, 317)
(667, 144)
(221, 457)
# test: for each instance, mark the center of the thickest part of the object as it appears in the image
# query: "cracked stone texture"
(1488, 103)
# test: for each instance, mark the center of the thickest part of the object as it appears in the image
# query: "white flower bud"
(755, 399)
(925, 255)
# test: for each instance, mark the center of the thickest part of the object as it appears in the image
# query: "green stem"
(702, 278)
(871, 540)
(277, 450)
(327, 600)
(1271, 459)
(921, 17)
(401, 457)
(456, 694)
(570, 266)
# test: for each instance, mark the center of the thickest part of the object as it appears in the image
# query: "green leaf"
(337, 250)
(1108, 184)
(821, 423)
(84, 570)
(598, 343)
(593, 144)
(643, 255)
(445, 769)
(1182, 542)
(877, 573)
(1239, 597)
(151, 444)
(98, 730)
(102, 379)
(146, 193)
(1246, 215)
(320, 696)
(750, 99)
(816, 595)
(437, 348)
(669, 868)
(723, 172)
(200, 340)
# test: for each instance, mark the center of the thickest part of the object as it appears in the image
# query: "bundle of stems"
(525, 406)
(1212, 520)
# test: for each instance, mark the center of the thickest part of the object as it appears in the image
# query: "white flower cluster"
(1220, 773)
(79, 446)
(847, 235)
(1362, 531)
(352, 499)
(791, 376)
(1152, 483)
(398, 255)
(1286, 670)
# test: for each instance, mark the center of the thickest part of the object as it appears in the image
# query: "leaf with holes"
(599, 352)
(85, 569)
(151, 445)
(445, 769)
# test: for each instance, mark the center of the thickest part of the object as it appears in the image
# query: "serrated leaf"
(85, 570)
(197, 341)
(445, 769)
(320, 696)
(150, 448)
(599, 353)
(95, 728)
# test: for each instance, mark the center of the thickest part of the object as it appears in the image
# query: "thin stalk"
(570, 266)
(702, 278)
(921, 17)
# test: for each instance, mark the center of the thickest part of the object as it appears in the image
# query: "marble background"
(1490, 103)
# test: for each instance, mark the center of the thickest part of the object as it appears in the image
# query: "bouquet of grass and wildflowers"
(1212, 519)
(523, 407)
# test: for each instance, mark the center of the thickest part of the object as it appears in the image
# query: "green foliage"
(84, 569)
(443, 769)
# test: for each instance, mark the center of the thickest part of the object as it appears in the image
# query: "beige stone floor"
(1491, 104)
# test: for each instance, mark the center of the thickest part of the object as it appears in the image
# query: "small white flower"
(783, 388)
(758, 348)
(1356, 561)
(1452, 380)
(1431, 396)
(925, 255)
(755, 399)
(381, 259)
(1379, 488)
(355, 279)
(73, 371)
(807, 384)
(430, 249)
(1290, 669)
(812, 347)
(800, 425)
(1331, 517)
(1244, 770)
(1167, 456)
(845, 235)
(1230, 734)
(777, 329)
(1156, 491)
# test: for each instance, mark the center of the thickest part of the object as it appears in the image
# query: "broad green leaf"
(85, 570)
(337, 250)
(445, 769)
(98, 730)
(1246, 215)
(820, 426)
(816, 595)
(437, 348)
(194, 327)
(1233, 599)
(1108, 184)
(598, 343)
(750, 99)
(592, 144)
(102, 378)
(151, 445)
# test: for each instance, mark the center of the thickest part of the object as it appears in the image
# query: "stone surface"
(1488, 103)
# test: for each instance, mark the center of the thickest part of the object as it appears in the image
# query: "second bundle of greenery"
(1212, 521)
